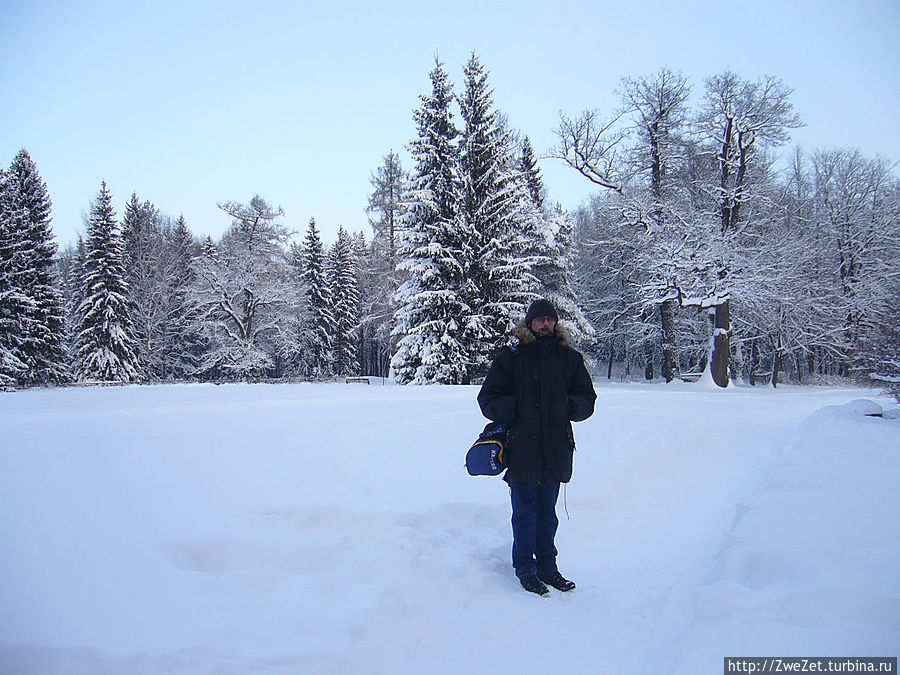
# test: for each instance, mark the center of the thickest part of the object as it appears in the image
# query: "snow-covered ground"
(333, 528)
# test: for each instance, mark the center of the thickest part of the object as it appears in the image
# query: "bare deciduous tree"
(241, 293)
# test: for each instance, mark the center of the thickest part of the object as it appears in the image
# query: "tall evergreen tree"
(13, 302)
(71, 273)
(538, 238)
(208, 248)
(529, 244)
(181, 339)
(320, 324)
(375, 318)
(492, 188)
(146, 269)
(295, 338)
(105, 348)
(528, 165)
(344, 285)
(432, 319)
(43, 340)
(556, 275)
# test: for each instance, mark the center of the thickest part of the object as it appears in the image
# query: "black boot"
(557, 580)
(533, 585)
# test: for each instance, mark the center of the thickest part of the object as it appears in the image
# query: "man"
(538, 389)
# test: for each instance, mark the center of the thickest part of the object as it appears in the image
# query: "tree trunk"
(736, 362)
(721, 351)
(670, 369)
(611, 356)
(754, 362)
(776, 362)
(648, 360)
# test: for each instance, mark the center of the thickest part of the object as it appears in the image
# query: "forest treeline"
(709, 245)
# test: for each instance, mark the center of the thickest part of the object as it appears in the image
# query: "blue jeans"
(534, 525)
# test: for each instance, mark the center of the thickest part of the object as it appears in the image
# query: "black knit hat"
(540, 308)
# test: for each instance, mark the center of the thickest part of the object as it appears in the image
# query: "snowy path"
(332, 528)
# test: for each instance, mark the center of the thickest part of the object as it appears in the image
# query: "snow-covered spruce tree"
(106, 350)
(529, 166)
(529, 245)
(70, 266)
(182, 342)
(543, 240)
(432, 319)
(207, 259)
(373, 333)
(319, 325)
(147, 269)
(208, 248)
(556, 277)
(13, 302)
(64, 264)
(344, 285)
(159, 270)
(375, 311)
(241, 293)
(497, 210)
(293, 336)
(43, 347)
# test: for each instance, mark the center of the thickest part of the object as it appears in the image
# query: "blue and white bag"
(487, 456)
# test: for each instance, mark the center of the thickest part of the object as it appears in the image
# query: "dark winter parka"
(538, 390)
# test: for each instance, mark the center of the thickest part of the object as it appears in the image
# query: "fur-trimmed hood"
(526, 337)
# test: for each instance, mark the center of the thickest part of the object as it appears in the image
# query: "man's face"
(543, 325)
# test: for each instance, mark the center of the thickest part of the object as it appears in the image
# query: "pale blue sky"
(193, 103)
